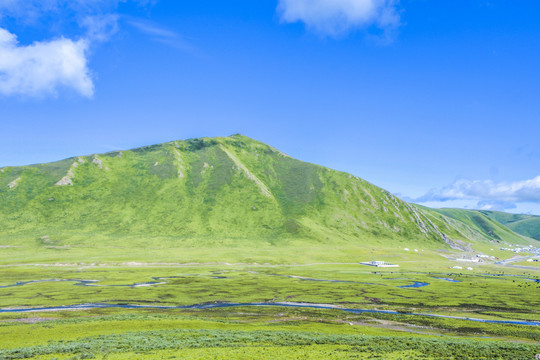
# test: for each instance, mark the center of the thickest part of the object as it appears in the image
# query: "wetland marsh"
(253, 310)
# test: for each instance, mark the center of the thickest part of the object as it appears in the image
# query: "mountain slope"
(526, 225)
(210, 190)
(484, 227)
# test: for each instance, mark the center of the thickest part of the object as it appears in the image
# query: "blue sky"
(437, 101)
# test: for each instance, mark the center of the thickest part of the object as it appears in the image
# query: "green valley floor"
(53, 307)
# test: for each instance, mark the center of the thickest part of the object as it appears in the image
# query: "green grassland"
(183, 336)
(259, 332)
(242, 335)
(233, 220)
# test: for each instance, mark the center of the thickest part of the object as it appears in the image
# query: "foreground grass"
(165, 335)
(251, 344)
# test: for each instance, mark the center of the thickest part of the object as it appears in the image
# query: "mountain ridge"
(526, 225)
(216, 188)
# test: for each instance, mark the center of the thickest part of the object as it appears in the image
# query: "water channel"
(282, 304)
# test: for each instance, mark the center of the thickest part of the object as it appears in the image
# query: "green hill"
(527, 225)
(215, 191)
(484, 227)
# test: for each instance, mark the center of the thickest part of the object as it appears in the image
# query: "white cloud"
(333, 17)
(43, 67)
(487, 191)
(495, 205)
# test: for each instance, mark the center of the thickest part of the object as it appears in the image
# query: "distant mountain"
(527, 225)
(483, 225)
(206, 190)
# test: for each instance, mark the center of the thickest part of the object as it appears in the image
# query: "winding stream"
(161, 281)
(79, 282)
(283, 304)
(415, 284)
(219, 276)
(324, 280)
(448, 279)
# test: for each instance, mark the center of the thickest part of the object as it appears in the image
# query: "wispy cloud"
(100, 28)
(487, 192)
(335, 17)
(32, 11)
(164, 36)
(153, 29)
(43, 67)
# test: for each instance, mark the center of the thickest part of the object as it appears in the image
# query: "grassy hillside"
(527, 225)
(484, 227)
(219, 191)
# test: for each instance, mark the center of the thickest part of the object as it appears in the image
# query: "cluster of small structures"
(378, 264)
(480, 258)
(461, 268)
(522, 249)
(407, 249)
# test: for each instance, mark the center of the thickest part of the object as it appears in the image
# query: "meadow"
(201, 328)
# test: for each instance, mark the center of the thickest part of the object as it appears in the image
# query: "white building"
(378, 264)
